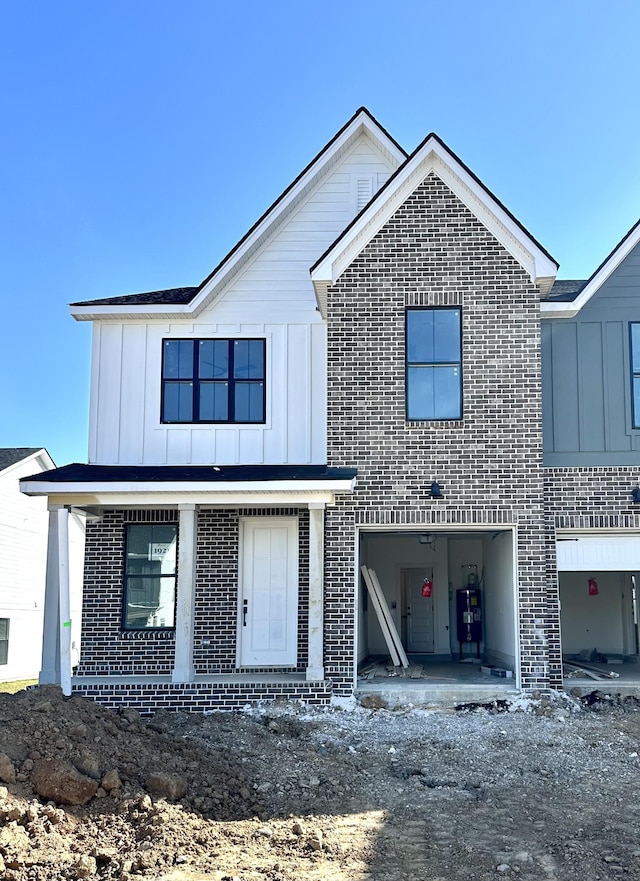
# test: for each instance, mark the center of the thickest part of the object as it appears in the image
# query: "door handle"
(245, 609)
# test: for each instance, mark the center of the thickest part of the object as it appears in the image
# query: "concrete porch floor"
(443, 683)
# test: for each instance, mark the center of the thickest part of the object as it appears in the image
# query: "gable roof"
(434, 155)
(10, 456)
(559, 309)
(362, 122)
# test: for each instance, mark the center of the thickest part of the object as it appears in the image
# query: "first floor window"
(634, 347)
(213, 380)
(150, 576)
(4, 640)
(434, 363)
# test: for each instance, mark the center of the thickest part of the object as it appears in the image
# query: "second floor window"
(213, 380)
(634, 347)
(434, 364)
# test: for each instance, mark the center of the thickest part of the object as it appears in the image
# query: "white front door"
(268, 625)
(420, 635)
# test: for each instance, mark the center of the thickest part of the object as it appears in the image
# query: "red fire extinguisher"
(593, 588)
(427, 588)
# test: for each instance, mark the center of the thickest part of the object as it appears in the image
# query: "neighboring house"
(24, 524)
(359, 382)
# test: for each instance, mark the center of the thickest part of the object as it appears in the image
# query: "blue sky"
(139, 140)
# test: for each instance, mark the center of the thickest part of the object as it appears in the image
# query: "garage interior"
(599, 579)
(452, 599)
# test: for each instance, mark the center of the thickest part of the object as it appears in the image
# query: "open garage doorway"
(599, 584)
(451, 597)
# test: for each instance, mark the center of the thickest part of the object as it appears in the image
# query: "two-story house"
(359, 383)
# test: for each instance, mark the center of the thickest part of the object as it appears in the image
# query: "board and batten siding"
(586, 371)
(272, 297)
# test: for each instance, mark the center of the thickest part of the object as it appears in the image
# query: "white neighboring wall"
(271, 297)
(24, 525)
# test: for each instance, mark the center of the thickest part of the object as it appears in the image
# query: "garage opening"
(451, 598)
(599, 607)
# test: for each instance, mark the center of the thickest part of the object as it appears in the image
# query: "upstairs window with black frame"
(213, 381)
(150, 576)
(434, 364)
(634, 348)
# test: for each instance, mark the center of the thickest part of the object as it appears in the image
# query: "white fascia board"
(42, 454)
(433, 157)
(360, 124)
(211, 488)
(122, 312)
(558, 309)
(95, 501)
(570, 310)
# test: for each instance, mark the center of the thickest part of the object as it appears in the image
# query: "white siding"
(23, 551)
(273, 298)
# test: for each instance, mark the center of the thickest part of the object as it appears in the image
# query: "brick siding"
(433, 252)
(108, 650)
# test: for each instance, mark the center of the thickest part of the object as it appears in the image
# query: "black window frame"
(231, 382)
(635, 374)
(126, 577)
(435, 363)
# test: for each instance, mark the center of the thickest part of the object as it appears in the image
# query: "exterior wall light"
(436, 491)
(635, 493)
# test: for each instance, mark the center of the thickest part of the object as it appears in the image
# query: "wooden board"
(379, 609)
(390, 622)
(389, 626)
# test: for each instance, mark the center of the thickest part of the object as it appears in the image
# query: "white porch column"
(183, 669)
(315, 663)
(50, 669)
(64, 600)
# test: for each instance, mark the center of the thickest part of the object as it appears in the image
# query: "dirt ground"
(545, 790)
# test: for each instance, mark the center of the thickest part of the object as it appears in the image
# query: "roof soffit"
(361, 124)
(434, 156)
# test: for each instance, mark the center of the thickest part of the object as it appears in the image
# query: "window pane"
(636, 401)
(420, 335)
(446, 387)
(635, 347)
(420, 393)
(214, 359)
(446, 335)
(214, 401)
(151, 549)
(178, 402)
(248, 359)
(150, 602)
(178, 359)
(249, 402)
(433, 393)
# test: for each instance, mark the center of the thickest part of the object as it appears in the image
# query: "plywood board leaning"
(378, 606)
(395, 636)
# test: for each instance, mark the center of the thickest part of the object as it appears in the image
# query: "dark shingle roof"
(10, 455)
(76, 473)
(565, 290)
(173, 296)
(181, 296)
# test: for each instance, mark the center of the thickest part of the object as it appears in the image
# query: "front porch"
(204, 596)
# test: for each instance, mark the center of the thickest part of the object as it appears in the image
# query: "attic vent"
(364, 192)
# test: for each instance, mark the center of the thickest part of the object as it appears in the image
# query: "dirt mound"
(129, 788)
